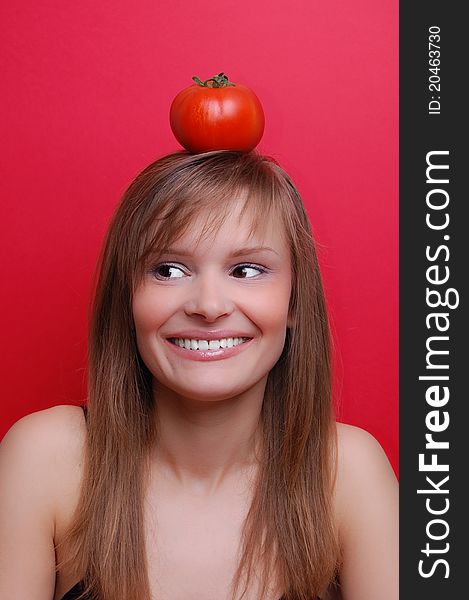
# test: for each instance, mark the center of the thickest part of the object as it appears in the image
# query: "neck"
(200, 444)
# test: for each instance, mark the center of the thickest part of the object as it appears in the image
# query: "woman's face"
(211, 318)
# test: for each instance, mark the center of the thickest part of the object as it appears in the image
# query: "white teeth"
(191, 344)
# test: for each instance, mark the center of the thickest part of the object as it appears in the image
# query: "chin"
(210, 394)
(207, 390)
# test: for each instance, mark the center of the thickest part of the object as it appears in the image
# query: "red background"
(87, 88)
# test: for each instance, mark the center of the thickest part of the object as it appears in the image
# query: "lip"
(210, 334)
(207, 355)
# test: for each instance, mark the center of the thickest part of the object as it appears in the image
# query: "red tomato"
(220, 116)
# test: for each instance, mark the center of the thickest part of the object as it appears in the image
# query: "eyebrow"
(239, 252)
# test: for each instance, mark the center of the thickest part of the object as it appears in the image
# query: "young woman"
(207, 465)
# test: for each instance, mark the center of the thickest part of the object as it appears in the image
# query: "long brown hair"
(289, 534)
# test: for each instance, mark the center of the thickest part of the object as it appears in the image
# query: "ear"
(289, 321)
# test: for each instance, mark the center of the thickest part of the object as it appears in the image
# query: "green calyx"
(218, 81)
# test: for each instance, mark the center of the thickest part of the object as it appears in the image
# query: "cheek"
(271, 308)
(148, 312)
(147, 319)
(280, 299)
(141, 312)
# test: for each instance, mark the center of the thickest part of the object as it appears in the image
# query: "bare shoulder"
(366, 504)
(40, 461)
(47, 446)
(363, 469)
(55, 433)
(355, 437)
(358, 448)
(52, 414)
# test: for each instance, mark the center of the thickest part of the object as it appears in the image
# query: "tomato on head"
(217, 114)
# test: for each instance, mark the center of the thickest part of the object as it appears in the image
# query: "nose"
(209, 298)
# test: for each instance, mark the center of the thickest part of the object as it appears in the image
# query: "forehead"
(238, 223)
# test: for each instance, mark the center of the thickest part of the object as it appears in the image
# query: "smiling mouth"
(193, 344)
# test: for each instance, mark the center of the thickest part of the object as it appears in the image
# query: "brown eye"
(167, 271)
(247, 271)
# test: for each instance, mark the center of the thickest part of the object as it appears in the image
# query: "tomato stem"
(220, 80)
